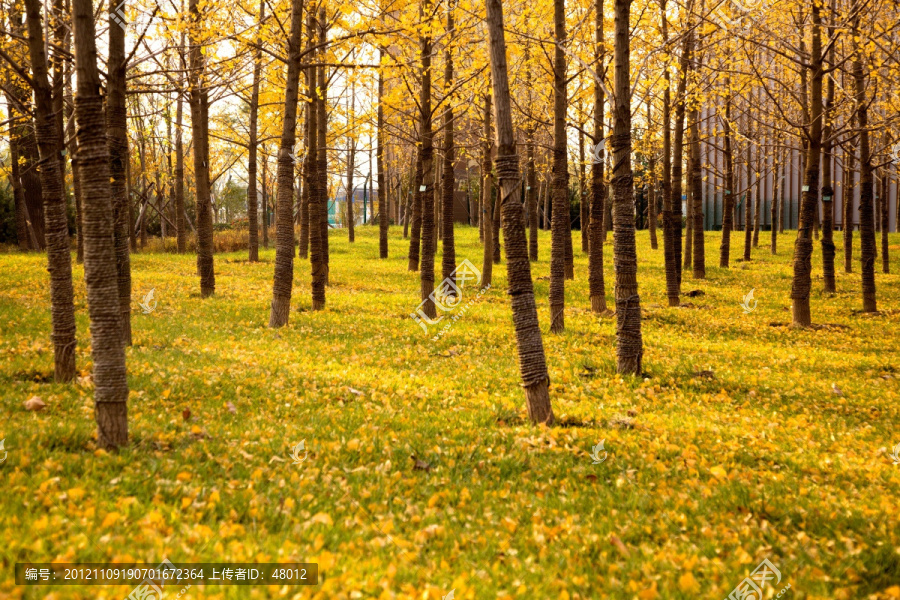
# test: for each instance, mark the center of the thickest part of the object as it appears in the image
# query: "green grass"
(705, 476)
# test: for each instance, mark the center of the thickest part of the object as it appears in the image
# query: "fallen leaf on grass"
(34, 404)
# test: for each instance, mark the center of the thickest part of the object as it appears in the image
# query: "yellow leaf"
(687, 583)
(322, 518)
(719, 472)
(110, 519)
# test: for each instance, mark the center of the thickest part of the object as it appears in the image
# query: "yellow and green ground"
(744, 440)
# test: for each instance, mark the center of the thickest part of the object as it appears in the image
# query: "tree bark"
(699, 262)
(117, 140)
(487, 220)
(199, 104)
(532, 363)
(448, 183)
(629, 345)
(426, 272)
(384, 218)
(669, 224)
(728, 201)
(283, 282)
(108, 352)
(868, 250)
(252, 200)
(596, 283)
(802, 280)
(560, 214)
(59, 256)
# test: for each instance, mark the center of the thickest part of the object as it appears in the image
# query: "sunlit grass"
(734, 447)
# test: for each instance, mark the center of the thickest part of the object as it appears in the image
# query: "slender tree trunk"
(322, 155)
(531, 197)
(582, 195)
(59, 256)
(487, 220)
(885, 196)
(803, 246)
(868, 248)
(560, 192)
(596, 283)
(848, 192)
(532, 363)
(252, 201)
(652, 209)
(284, 213)
(828, 248)
(384, 218)
(689, 202)
(426, 272)
(728, 201)
(670, 255)
(199, 103)
(448, 262)
(108, 352)
(699, 262)
(317, 199)
(117, 139)
(19, 197)
(415, 238)
(180, 225)
(351, 166)
(678, 153)
(748, 195)
(629, 345)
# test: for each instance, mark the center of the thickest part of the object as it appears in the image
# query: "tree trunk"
(322, 153)
(384, 219)
(487, 220)
(629, 345)
(828, 249)
(117, 140)
(582, 196)
(448, 183)
(426, 273)
(108, 352)
(885, 196)
(699, 250)
(59, 257)
(669, 224)
(596, 283)
(802, 280)
(560, 215)
(678, 153)
(728, 201)
(868, 250)
(252, 201)
(199, 103)
(532, 363)
(415, 216)
(284, 213)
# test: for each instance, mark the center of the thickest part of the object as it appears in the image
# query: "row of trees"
(678, 96)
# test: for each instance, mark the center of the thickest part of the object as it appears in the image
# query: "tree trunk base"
(254, 254)
(598, 304)
(801, 314)
(674, 302)
(281, 310)
(570, 272)
(64, 359)
(537, 399)
(869, 305)
(112, 424)
(557, 318)
(318, 304)
(413, 265)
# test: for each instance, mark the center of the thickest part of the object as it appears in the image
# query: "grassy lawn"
(745, 439)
